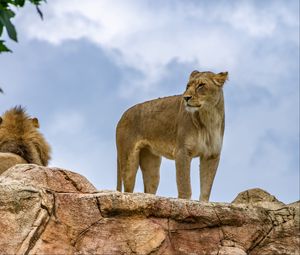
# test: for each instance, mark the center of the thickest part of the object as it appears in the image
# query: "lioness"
(176, 127)
(20, 140)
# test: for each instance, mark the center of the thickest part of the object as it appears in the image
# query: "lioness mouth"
(193, 106)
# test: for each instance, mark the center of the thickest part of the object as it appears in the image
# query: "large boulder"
(54, 211)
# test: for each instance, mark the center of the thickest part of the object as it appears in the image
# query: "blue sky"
(86, 63)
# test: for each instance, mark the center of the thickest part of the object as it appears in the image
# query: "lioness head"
(204, 89)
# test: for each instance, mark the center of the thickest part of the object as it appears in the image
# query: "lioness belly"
(161, 149)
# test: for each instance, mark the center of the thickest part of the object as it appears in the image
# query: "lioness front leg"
(208, 169)
(183, 165)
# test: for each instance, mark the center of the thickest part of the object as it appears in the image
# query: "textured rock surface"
(54, 211)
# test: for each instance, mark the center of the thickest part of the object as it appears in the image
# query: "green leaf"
(20, 3)
(3, 48)
(3, 5)
(5, 16)
(1, 29)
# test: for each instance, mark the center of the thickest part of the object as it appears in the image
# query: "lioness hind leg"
(150, 165)
(130, 166)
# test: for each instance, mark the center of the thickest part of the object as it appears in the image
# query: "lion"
(20, 140)
(178, 127)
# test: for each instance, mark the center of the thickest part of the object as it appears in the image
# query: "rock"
(283, 237)
(54, 211)
(54, 179)
(258, 197)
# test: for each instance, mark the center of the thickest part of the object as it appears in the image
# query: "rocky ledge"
(54, 211)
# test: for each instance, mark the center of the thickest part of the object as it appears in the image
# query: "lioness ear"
(35, 122)
(193, 74)
(220, 78)
(1, 120)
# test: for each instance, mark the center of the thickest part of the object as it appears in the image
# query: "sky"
(88, 61)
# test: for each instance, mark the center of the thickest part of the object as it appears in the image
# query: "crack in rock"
(39, 224)
(68, 178)
(81, 234)
(275, 223)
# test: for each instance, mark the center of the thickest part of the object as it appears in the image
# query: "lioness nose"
(187, 98)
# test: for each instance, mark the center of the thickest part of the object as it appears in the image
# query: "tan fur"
(8, 160)
(21, 141)
(178, 128)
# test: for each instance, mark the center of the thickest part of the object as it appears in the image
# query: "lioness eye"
(200, 85)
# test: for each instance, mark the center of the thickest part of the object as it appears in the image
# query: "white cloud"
(255, 22)
(147, 37)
